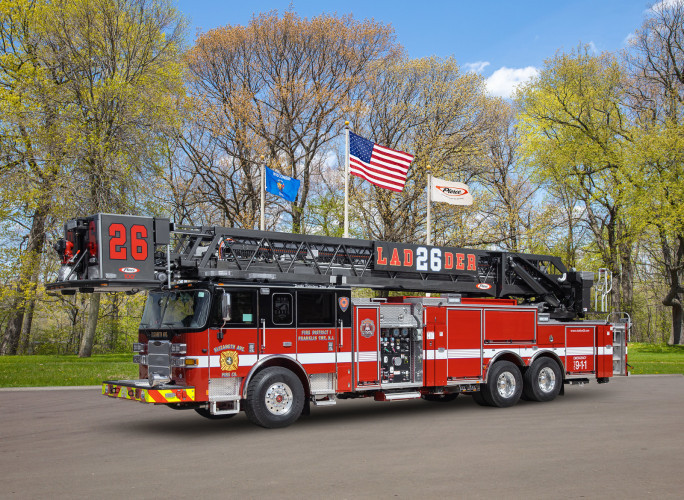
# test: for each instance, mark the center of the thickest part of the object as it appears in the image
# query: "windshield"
(186, 309)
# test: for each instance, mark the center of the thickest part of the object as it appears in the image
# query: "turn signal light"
(190, 362)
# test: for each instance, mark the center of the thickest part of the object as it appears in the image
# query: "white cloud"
(504, 80)
(476, 67)
(592, 48)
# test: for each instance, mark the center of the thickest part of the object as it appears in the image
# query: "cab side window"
(315, 309)
(242, 309)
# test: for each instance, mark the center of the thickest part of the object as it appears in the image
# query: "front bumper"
(140, 390)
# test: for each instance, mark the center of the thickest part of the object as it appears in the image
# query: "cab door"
(277, 323)
(232, 346)
(317, 333)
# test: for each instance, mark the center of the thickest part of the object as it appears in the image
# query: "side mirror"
(226, 309)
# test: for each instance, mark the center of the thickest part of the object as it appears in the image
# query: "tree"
(34, 152)
(97, 87)
(575, 133)
(656, 96)
(277, 87)
(506, 193)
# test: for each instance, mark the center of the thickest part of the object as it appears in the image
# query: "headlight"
(139, 347)
(141, 359)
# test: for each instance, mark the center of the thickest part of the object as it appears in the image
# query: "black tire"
(207, 414)
(543, 380)
(504, 385)
(275, 398)
(478, 397)
(440, 398)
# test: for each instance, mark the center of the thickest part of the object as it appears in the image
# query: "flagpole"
(428, 240)
(346, 179)
(262, 221)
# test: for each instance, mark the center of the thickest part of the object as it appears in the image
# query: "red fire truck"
(265, 322)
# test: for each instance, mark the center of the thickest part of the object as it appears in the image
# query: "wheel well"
(284, 362)
(505, 356)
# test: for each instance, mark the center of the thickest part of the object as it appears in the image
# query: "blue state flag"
(281, 185)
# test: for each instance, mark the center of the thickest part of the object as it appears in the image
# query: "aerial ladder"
(107, 252)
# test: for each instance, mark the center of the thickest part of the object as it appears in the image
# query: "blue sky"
(505, 40)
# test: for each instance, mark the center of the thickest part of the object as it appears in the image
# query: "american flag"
(379, 165)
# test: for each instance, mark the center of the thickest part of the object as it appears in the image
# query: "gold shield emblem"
(229, 361)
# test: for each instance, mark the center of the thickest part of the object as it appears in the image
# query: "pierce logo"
(483, 286)
(129, 270)
(452, 192)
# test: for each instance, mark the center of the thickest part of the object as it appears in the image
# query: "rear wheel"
(542, 380)
(504, 385)
(275, 398)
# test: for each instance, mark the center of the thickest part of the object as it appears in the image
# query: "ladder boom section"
(108, 252)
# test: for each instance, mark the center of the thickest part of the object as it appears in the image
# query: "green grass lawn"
(655, 358)
(41, 371)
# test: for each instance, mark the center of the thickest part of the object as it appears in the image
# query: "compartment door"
(464, 328)
(435, 345)
(366, 346)
(580, 343)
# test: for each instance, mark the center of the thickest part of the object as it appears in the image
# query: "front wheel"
(504, 385)
(542, 380)
(275, 398)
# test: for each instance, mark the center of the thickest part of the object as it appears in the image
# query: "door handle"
(263, 334)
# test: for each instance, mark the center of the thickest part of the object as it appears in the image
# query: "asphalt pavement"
(624, 439)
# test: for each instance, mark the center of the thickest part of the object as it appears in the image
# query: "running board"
(224, 407)
(396, 396)
(327, 401)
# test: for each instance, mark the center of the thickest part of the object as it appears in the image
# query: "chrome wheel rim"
(279, 398)
(505, 385)
(546, 380)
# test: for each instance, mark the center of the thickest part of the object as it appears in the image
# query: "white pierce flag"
(454, 193)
